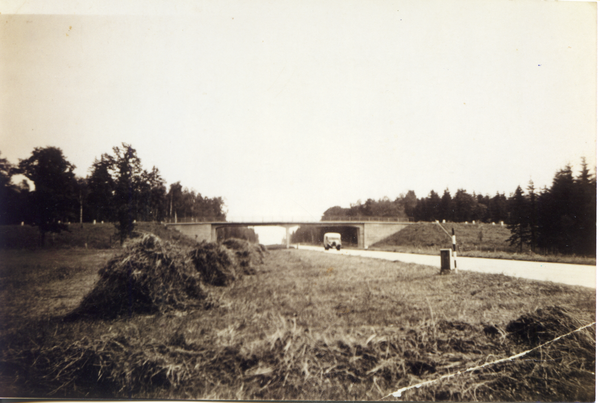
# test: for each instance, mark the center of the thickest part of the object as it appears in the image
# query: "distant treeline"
(560, 219)
(118, 189)
(407, 207)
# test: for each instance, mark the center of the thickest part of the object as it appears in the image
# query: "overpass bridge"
(368, 231)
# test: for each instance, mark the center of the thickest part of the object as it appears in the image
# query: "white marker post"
(454, 249)
(453, 236)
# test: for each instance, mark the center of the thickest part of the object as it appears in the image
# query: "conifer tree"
(518, 221)
(532, 216)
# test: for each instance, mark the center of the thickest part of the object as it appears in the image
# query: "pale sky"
(287, 108)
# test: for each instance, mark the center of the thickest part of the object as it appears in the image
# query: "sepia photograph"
(298, 200)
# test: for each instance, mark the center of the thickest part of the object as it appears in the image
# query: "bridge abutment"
(375, 232)
(200, 232)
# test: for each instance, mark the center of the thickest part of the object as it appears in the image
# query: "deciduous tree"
(54, 199)
(102, 187)
(127, 186)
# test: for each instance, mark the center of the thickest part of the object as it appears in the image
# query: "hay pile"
(248, 254)
(152, 275)
(545, 324)
(561, 371)
(215, 263)
(149, 276)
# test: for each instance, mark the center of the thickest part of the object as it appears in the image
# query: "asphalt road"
(571, 274)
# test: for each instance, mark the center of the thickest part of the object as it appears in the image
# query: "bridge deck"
(286, 223)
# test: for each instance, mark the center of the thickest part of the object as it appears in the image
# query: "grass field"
(87, 236)
(473, 240)
(306, 326)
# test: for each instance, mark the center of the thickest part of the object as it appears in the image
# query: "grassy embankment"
(473, 240)
(91, 236)
(305, 325)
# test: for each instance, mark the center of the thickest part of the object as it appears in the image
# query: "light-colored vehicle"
(332, 240)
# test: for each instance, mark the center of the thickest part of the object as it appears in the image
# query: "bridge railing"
(186, 220)
(365, 218)
(288, 219)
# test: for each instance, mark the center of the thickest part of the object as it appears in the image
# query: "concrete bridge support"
(360, 236)
(375, 232)
(198, 231)
(287, 235)
(369, 233)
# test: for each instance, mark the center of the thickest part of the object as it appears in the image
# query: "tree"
(557, 215)
(307, 234)
(334, 213)
(368, 208)
(217, 208)
(421, 212)
(127, 185)
(54, 199)
(101, 189)
(237, 232)
(82, 191)
(518, 222)
(585, 204)
(13, 198)
(434, 202)
(153, 196)
(410, 202)
(6, 172)
(531, 201)
(464, 206)
(175, 198)
(189, 202)
(446, 206)
(498, 208)
(481, 212)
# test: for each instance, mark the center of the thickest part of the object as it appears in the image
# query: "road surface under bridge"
(368, 232)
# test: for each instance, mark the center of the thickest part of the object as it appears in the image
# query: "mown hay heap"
(215, 263)
(565, 367)
(248, 254)
(545, 324)
(149, 276)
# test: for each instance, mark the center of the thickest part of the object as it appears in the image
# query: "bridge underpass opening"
(313, 234)
(238, 231)
(272, 235)
(350, 235)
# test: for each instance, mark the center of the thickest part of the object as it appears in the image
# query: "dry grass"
(312, 326)
(40, 283)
